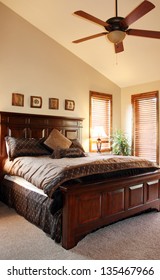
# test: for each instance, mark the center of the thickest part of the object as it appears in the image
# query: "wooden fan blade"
(119, 47)
(137, 13)
(144, 33)
(91, 18)
(90, 37)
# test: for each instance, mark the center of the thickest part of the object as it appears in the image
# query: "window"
(100, 115)
(145, 125)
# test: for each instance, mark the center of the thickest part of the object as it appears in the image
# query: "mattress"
(23, 183)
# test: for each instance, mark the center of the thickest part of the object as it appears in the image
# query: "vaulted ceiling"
(140, 61)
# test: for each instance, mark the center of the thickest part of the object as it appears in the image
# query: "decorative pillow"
(57, 139)
(67, 153)
(17, 147)
(77, 144)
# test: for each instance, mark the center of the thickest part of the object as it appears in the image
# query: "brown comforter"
(48, 174)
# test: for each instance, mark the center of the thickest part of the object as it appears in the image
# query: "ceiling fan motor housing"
(114, 23)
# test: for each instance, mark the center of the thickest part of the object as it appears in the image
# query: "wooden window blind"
(145, 125)
(100, 115)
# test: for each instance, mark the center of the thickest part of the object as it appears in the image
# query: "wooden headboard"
(37, 126)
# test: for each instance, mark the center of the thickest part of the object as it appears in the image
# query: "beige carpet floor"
(136, 238)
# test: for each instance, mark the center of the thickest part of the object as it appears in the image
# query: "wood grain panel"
(114, 201)
(89, 208)
(135, 195)
(152, 190)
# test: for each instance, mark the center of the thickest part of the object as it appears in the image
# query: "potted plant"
(120, 144)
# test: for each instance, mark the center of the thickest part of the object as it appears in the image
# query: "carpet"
(135, 238)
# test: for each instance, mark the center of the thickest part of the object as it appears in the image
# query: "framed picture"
(36, 101)
(69, 105)
(54, 103)
(17, 99)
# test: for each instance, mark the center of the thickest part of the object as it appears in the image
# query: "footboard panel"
(88, 207)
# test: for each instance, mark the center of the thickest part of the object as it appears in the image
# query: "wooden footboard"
(88, 207)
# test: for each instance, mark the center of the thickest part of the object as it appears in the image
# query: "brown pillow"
(67, 153)
(57, 139)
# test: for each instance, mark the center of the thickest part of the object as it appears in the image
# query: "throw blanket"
(48, 174)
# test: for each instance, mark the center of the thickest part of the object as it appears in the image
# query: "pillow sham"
(77, 144)
(17, 147)
(67, 153)
(57, 139)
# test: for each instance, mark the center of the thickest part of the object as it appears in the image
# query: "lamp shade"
(98, 132)
(116, 36)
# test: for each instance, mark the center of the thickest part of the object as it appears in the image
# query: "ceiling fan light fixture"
(116, 36)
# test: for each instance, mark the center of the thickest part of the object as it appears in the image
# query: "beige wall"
(126, 109)
(33, 64)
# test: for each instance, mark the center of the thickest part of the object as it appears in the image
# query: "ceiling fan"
(117, 27)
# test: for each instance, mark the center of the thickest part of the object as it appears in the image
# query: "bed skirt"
(34, 207)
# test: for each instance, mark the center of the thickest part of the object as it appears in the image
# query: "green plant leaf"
(120, 144)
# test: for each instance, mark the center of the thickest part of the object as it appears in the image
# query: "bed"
(79, 193)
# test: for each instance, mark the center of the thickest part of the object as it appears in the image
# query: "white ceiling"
(140, 61)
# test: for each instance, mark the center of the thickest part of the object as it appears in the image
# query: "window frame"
(145, 96)
(107, 97)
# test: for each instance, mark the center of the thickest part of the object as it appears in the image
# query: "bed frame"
(87, 206)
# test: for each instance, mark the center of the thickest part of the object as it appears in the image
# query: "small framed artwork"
(69, 105)
(17, 99)
(54, 103)
(36, 101)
